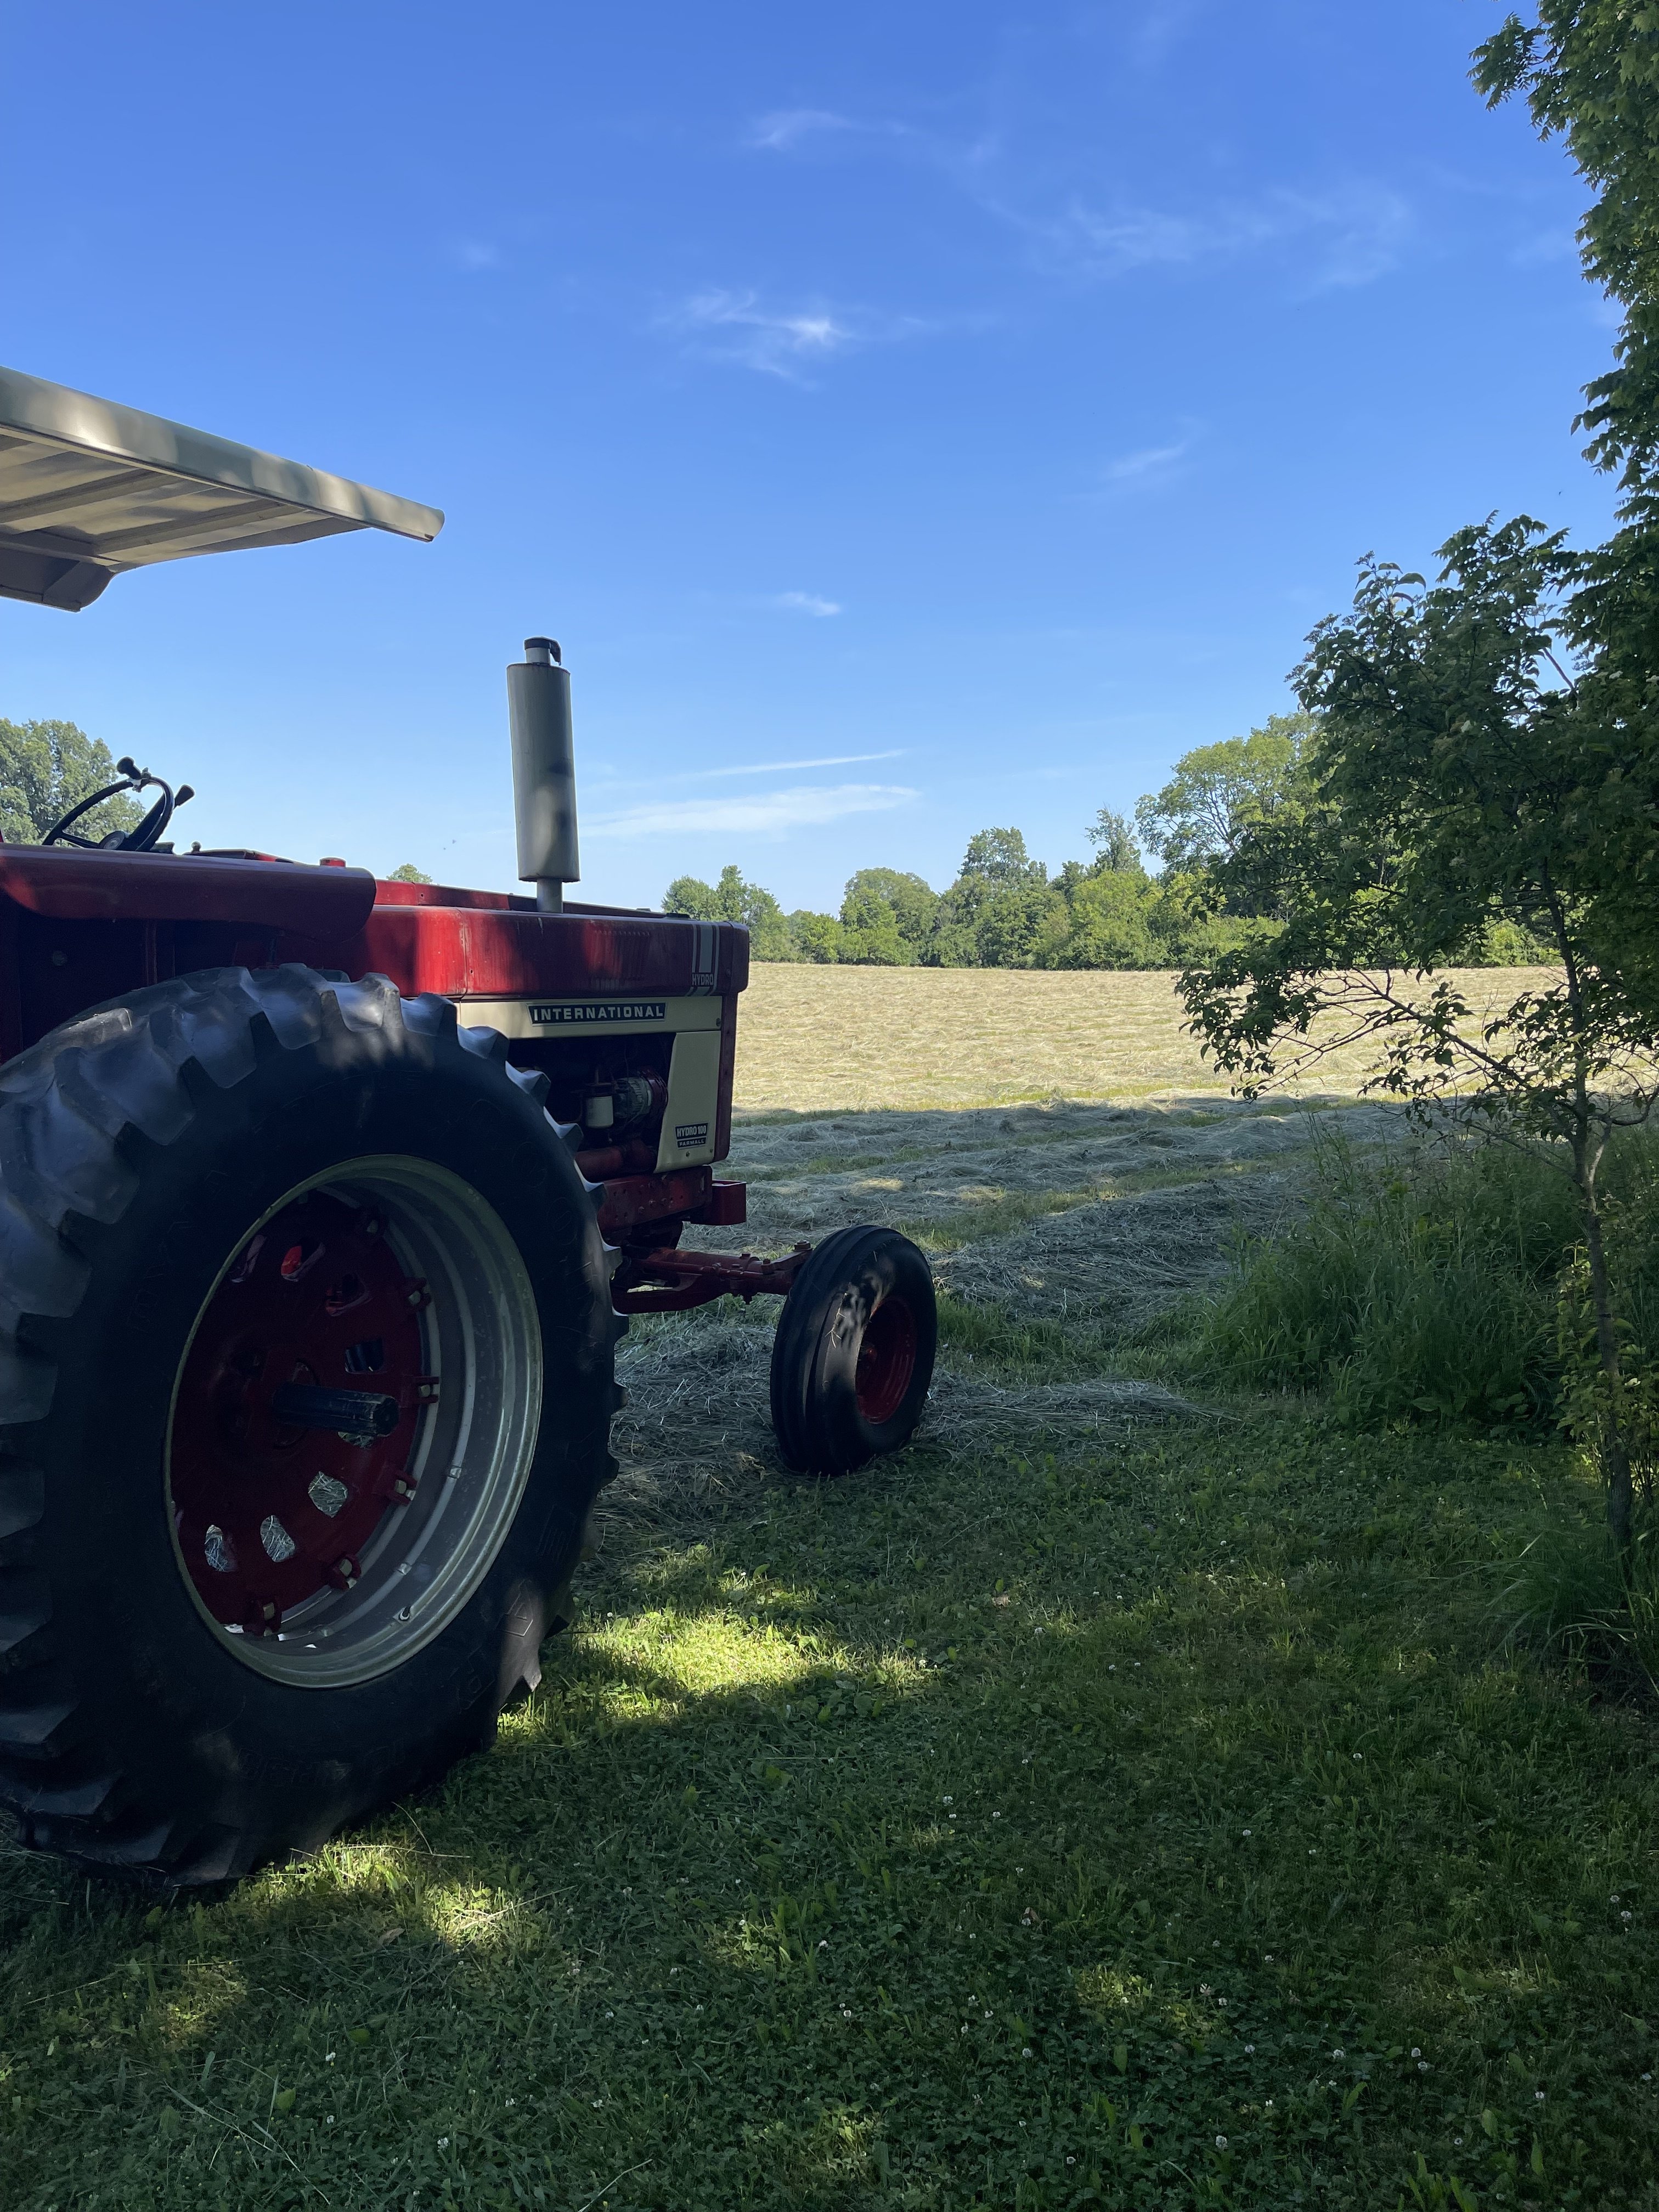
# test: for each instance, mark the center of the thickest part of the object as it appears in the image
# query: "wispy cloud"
(780, 341)
(788, 126)
(1346, 232)
(806, 603)
(735, 326)
(1148, 461)
(1346, 235)
(773, 813)
(786, 768)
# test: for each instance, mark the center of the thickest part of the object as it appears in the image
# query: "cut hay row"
(813, 1038)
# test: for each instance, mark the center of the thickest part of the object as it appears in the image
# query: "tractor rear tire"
(853, 1353)
(211, 1190)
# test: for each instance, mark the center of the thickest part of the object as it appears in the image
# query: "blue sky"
(910, 417)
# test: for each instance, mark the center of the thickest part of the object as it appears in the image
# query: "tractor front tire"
(853, 1353)
(306, 1385)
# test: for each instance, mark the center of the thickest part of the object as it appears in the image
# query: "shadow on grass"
(1003, 1834)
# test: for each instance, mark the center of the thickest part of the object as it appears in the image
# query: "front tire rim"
(322, 1557)
(886, 1361)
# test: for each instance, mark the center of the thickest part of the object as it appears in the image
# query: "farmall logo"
(578, 1012)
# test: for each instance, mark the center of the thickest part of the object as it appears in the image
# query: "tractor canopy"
(89, 489)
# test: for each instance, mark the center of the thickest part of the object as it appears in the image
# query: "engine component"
(543, 771)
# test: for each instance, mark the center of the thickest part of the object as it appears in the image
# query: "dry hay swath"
(1123, 1261)
(697, 1428)
(873, 1080)
(812, 1039)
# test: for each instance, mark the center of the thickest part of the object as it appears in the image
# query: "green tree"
(1118, 848)
(870, 930)
(1460, 778)
(999, 856)
(953, 941)
(1220, 791)
(914, 901)
(407, 872)
(1111, 923)
(1589, 70)
(815, 936)
(734, 899)
(1016, 924)
(45, 767)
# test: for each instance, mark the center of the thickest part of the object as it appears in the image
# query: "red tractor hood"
(66, 885)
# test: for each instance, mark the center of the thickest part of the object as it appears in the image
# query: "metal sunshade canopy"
(89, 489)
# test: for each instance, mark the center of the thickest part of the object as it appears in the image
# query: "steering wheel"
(147, 832)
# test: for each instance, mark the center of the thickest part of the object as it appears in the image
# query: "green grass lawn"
(1145, 1823)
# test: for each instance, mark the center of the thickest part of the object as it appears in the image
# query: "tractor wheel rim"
(321, 1557)
(886, 1361)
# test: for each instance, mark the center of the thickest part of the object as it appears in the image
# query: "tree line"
(1112, 910)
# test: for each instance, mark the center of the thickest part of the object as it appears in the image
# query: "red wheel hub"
(887, 1360)
(268, 1514)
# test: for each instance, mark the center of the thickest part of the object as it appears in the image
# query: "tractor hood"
(89, 489)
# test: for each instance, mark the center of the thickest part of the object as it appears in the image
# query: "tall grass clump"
(1577, 1598)
(1422, 1286)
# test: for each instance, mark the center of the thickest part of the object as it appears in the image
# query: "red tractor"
(324, 1201)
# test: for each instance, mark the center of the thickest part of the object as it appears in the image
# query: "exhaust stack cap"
(543, 771)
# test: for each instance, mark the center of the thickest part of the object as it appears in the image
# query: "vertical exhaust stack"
(543, 772)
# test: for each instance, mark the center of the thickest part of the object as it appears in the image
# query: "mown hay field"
(811, 1038)
(1124, 1797)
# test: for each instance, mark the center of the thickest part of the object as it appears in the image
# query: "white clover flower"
(1221, 2142)
(1422, 2065)
(1338, 2054)
(443, 2141)
(328, 2058)
(1025, 2054)
(1538, 2096)
(1250, 2050)
(1416, 2053)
